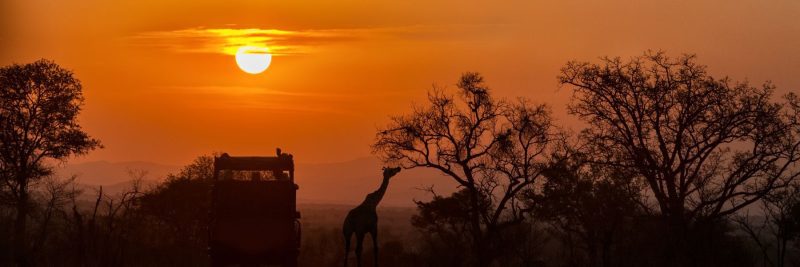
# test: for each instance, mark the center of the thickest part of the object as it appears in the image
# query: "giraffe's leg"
(374, 233)
(359, 247)
(347, 237)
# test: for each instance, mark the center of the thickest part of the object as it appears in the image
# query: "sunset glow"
(359, 62)
(603, 133)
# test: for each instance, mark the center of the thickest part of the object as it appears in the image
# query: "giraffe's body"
(364, 219)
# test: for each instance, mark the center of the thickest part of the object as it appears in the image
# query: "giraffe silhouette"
(363, 219)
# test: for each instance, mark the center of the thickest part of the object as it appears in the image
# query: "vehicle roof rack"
(282, 162)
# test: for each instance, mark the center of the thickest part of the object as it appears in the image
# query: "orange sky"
(160, 87)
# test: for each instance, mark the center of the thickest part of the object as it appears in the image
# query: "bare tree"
(492, 149)
(54, 194)
(705, 147)
(779, 226)
(39, 105)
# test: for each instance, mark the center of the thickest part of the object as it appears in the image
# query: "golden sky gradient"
(161, 83)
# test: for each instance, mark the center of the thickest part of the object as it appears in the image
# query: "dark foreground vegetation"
(673, 168)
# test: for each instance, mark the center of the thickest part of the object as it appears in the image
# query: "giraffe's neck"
(374, 198)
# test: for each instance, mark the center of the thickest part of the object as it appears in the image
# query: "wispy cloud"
(228, 40)
(287, 42)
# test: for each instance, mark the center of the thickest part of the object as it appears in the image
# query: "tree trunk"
(20, 225)
(782, 250)
(676, 254)
(606, 249)
(480, 246)
(592, 252)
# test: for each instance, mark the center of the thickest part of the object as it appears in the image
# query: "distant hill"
(111, 173)
(342, 183)
(349, 182)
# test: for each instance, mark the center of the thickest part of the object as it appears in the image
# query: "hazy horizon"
(340, 183)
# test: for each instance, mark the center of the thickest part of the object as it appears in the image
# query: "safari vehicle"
(253, 217)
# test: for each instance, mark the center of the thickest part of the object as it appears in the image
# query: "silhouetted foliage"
(778, 229)
(492, 148)
(177, 210)
(587, 204)
(39, 105)
(705, 147)
(443, 222)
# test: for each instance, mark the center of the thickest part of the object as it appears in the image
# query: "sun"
(253, 59)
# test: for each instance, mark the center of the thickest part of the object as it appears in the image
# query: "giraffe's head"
(389, 172)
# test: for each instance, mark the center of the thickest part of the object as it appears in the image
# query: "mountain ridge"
(337, 183)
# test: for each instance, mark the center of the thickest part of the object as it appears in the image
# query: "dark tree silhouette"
(178, 208)
(443, 222)
(779, 228)
(39, 105)
(490, 148)
(588, 205)
(705, 147)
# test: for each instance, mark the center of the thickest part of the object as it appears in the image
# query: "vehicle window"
(253, 175)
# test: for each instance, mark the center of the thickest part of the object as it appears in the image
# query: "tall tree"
(775, 231)
(39, 106)
(588, 205)
(705, 147)
(493, 149)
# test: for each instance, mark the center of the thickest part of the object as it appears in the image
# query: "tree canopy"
(706, 147)
(39, 107)
(494, 149)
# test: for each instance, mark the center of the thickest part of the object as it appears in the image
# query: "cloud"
(291, 42)
(228, 40)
